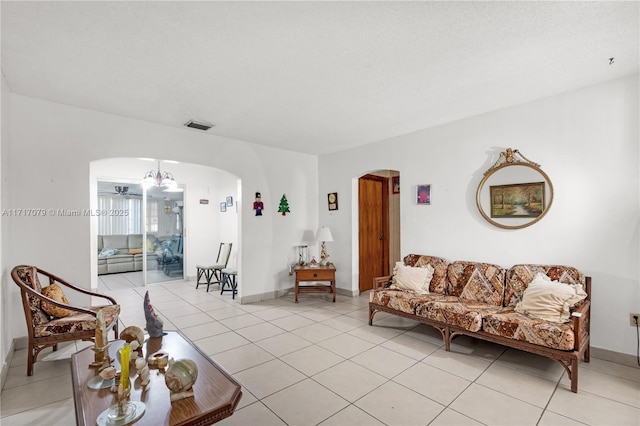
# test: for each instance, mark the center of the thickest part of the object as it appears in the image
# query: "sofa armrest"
(380, 282)
(581, 326)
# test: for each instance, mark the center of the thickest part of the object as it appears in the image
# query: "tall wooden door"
(373, 201)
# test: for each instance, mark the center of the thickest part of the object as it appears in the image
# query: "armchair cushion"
(78, 321)
(29, 275)
(54, 292)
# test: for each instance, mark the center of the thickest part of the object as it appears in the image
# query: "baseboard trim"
(617, 357)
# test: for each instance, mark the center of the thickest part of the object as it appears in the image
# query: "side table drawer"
(315, 275)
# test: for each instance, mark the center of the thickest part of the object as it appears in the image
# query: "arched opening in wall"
(164, 234)
(378, 225)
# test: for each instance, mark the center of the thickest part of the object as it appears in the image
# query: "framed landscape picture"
(223, 206)
(517, 200)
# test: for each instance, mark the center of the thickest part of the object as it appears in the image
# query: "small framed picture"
(423, 194)
(332, 198)
(223, 207)
(395, 184)
(229, 201)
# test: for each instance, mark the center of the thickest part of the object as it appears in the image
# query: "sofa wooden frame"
(568, 359)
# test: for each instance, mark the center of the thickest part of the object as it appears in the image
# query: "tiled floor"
(110, 282)
(318, 362)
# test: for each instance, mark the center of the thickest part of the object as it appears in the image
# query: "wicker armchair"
(45, 330)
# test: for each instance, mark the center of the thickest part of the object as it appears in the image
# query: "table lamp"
(324, 235)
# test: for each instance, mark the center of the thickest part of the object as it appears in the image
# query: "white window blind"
(123, 215)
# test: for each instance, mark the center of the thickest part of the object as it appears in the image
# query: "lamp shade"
(324, 234)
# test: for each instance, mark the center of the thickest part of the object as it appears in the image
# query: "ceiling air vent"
(200, 125)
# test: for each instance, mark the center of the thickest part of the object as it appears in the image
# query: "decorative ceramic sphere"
(181, 375)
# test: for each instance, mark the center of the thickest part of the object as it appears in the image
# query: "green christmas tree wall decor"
(284, 206)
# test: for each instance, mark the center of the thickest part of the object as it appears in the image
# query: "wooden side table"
(319, 273)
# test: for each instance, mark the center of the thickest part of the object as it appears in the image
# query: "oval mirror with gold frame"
(514, 193)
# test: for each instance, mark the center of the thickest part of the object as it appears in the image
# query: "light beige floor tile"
(342, 307)
(242, 358)
(592, 409)
(393, 404)
(59, 413)
(399, 323)
(433, 383)
(224, 313)
(346, 345)
(254, 414)
(210, 305)
(607, 386)
(241, 321)
(427, 333)
(283, 344)
(613, 369)
(192, 320)
(520, 385)
(312, 360)
(316, 332)
(480, 348)
(246, 399)
(269, 377)
(319, 314)
(292, 322)
(259, 332)
(293, 403)
(42, 370)
(344, 323)
(272, 314)
(552, 419)
(254, 307)
(201, 331)
(26, 397)
(363, 315)
(170, 303)
(410, 346)
(490, 407)
(352, 416)
(350, 380)
(375, 334)
(221, 342)
(20, 358)
(465, 366)
(384, 361)
(531, 363)
(179, 312)
(452, 418)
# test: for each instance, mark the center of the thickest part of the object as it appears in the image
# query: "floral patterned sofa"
(492, 303)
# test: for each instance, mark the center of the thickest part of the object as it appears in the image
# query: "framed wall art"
(229, 201)
(423, 194)
(223, 206)
(332, 199)
(517, 200)
(395, 184)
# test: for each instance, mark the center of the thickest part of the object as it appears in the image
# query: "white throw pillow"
(550, 300)
(412, 279)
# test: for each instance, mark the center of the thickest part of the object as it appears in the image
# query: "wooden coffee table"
(216, 393)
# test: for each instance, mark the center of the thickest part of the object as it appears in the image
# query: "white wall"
(586, 141)
(8, 290)
(53, 146)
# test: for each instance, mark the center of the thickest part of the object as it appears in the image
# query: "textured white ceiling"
(313, 77)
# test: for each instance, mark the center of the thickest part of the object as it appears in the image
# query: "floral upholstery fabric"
(29, 276)
(77, 321)
(482, 282)
(439, 281)
(508, 323)
(458, 312)
(519, 277)
(401, 300)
